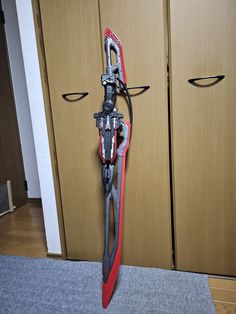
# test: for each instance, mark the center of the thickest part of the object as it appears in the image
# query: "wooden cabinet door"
(147, 224)
(203, 43)
(73, 51)
(72, 45)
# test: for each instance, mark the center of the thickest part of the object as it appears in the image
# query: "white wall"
(21, 98)
(36, 104)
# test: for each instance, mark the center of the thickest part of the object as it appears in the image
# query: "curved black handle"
(218, 78)
(143, 89)
(80, 96)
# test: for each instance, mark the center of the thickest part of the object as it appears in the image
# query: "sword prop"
(111, 126)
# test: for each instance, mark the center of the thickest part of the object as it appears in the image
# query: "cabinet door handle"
(217, 78)
(71, 96)
(142, 89)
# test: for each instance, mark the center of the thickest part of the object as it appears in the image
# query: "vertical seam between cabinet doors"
(101, 35)
(170, 129)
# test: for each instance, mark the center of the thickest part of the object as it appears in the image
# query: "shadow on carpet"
(37, 285)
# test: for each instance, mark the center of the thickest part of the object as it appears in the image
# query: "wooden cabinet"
(203, 43)
(73, 43)
(200, 120)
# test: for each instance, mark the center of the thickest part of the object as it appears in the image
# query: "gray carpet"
(29, 285)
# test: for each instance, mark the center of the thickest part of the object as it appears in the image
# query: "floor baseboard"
(54, 255)
(33, 200)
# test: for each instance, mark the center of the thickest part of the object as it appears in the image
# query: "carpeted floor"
(29, 285)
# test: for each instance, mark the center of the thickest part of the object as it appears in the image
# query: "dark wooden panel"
(11, 163)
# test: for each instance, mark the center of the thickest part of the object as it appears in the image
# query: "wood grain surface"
(73, 58)
(73, 53)
(224, 294)
(22, 232)
(147, 223)
(203, 132)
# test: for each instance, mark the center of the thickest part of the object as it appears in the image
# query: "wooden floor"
(22, 233)
(224, 295)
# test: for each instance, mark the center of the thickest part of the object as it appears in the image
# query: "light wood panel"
(203, 43)
(147, 231)
(11, 162)
(225, 308)
(224, 295)
(220, 283)
(74, 64)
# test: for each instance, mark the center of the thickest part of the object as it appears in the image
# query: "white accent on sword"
(103, 150)
(108, 124)
(112, 146)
